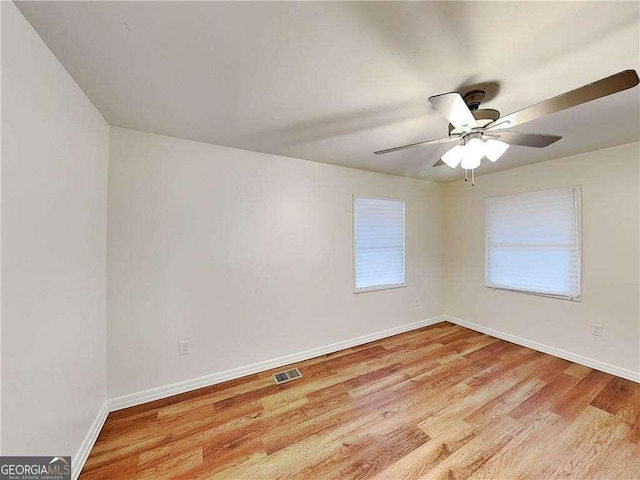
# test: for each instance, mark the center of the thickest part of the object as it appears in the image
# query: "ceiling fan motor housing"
(483, 118)
(473, 99)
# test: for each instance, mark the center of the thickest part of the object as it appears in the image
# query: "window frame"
(577, 205)
(389, 286)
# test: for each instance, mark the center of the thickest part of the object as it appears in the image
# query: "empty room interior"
(320, 240)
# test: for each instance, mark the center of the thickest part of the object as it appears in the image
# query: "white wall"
(54, 172)
(247, 255)
(610, 286)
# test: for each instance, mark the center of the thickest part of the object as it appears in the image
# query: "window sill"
(379, 287)
(537, 294)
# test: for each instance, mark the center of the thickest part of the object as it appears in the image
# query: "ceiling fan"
(484, 133)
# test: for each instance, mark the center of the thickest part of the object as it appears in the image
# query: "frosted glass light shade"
(493, 149)
(471, 161)
(473, 153)
(475, 148)
(453, 157)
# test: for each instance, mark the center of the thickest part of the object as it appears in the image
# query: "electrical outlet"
(596, 330)
(417, 302)
(183, 348)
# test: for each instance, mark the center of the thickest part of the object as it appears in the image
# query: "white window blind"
(534, 242)
(379, 243)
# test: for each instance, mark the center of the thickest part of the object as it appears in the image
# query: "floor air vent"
(287, 376)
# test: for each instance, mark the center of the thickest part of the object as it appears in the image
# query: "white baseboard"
(157, 393)
(78, 461)
(556, 352)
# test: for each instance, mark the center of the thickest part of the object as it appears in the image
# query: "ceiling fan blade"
(452, 106)
(538, 140)
(601, 88)
(411, 145)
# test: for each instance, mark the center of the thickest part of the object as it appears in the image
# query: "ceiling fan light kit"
(481, 133)
(469, 156)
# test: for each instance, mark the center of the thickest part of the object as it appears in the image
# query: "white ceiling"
(334, 81)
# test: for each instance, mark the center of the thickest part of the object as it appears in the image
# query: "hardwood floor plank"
(183, 397)
(134, 442)
(373, 376)
(208, 398)
(335, 364)
(423, 459)
(384, 450)
(578, 371)
(170, 466)
(621, 397)
(441, 402)
(616, 461)
(544, 398)
(485, 387)
(513, 459)
(234, 470)
(125, 466)
(573, 402)
(465, 461)
(581, 442)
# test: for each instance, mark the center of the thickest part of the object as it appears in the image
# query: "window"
(534, 242)
(378, 243)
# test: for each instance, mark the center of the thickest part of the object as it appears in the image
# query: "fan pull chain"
(465, 175)
(473, 177)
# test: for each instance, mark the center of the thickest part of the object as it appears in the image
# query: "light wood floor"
(442, 402)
